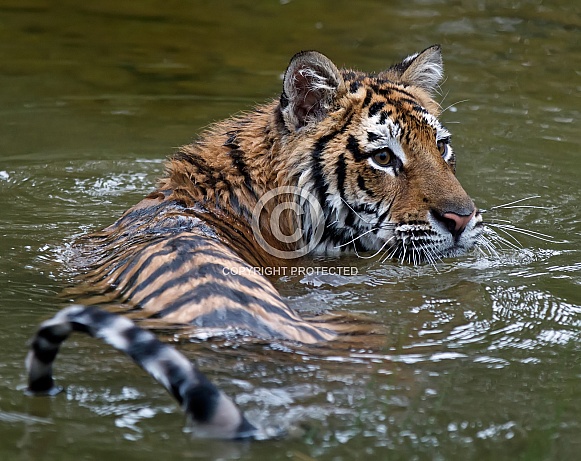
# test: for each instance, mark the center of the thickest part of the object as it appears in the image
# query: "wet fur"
(165, 259)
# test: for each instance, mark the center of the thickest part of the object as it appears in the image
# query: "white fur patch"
(425, 69)
(388, 137)
(441, 132)
(317, 81)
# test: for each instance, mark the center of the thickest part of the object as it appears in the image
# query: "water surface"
(481, 358)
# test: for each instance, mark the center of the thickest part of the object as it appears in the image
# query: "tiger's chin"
(424, 244)
(456, 251)
(427, 254)
(431, 241)
(437, 251)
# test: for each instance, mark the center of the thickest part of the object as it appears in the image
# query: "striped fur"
(212, 412)
(369, 150)
(170, 258)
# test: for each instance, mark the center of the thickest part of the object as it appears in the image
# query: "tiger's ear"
(311, 84)
(424, 70)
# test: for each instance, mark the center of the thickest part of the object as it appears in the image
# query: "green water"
(481, 360)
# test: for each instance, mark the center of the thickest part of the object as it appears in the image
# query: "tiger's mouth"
(433, 240)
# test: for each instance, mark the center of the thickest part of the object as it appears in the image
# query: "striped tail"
(213, 412)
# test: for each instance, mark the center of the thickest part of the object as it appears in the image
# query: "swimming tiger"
(342, 161)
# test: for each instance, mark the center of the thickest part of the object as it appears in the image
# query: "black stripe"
(237, 156)
(209, 269)
(407, 136)
(367, 99)
(130, 282)
(353, 147)
(98, 319)
(363, 186)
(42, 384)
(198, 162)
(354, 87)
(420, 109)
(283, 100)
(371, 136)
(369, 208)
(411, 102)
(350, 218)
(387, 92)
(320, 184)
(232, 140)
(384, 116)
(201, 399)
(231, 295)
(214, 179)
(341, 172)
(375, 108)
(49, 334)
(142, 346)
(43, 354)
(385, 214)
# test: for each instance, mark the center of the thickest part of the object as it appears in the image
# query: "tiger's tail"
(214, 414)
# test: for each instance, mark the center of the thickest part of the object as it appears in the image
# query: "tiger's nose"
(455, 223)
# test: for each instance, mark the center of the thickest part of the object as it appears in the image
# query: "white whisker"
(358, 215)
(506, 205)
(483, 243)
(454, 104)
(354, 239)
(527, 206)
(435, 258)
(499, 221)
(377, 252)
(414, 253)
(429, 255)
(530, 233)
(515, 246)
(389, 254)
(444, 97)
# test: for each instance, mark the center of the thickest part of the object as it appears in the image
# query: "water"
(481, 356)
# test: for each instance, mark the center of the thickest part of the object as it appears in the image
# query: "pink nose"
(457, 223)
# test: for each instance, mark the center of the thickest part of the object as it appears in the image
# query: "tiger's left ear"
(424, 70)
(311, 84)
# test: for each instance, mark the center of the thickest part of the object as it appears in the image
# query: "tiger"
(365, 151)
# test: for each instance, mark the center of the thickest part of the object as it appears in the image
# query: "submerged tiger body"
(367, 150)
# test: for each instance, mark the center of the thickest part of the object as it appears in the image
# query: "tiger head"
(370, 148)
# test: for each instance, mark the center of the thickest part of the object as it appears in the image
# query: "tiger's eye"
(382, 158)
(443, 147)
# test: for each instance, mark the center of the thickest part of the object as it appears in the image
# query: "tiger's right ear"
(311, 84)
